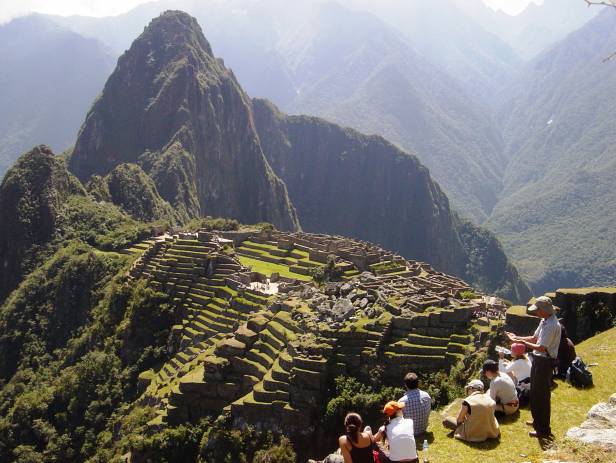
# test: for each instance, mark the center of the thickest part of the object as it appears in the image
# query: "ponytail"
(352, 425)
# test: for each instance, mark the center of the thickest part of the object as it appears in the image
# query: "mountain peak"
(175, 28)
(174, 109)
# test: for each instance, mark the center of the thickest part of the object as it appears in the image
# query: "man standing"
(417, 404)
(544, 344)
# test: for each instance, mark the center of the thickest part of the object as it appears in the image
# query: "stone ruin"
(267, 356)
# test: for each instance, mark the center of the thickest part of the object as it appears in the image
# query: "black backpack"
(578, 374)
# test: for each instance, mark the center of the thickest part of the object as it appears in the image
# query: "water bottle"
(424, 451)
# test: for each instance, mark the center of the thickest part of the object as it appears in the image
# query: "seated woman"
(519, 366)
(475, 421)
(355, 445)
(518, 369)
(399, 433)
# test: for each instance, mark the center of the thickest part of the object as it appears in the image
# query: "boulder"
(600, 426)
(342, 309)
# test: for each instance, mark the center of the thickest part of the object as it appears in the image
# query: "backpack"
(578, 374)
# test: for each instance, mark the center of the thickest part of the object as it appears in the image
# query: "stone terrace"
(266, 357)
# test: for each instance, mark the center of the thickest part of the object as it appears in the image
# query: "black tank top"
(361, 454)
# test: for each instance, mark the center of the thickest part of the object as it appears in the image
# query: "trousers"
(541, 393)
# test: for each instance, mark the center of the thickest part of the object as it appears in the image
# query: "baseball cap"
(544, 303)
(391, 408)
(476, 384)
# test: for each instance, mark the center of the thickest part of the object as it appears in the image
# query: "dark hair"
(411, 381)
(490, 365)
(353, 424)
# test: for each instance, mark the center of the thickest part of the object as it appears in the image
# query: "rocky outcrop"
(343, 182)
(173, 108)
(31, 195)
(129, 187)
(600, 427)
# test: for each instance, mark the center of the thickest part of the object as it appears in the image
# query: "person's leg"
(541, 395)
(450, 423)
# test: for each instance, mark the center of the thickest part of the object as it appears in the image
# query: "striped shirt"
(417, 406)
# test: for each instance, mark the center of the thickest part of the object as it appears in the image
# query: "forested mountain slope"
(558, 204)
(343, 182)
(405, 80)
(177, 111)
(357, 71)
(536, 28)
(178, 117)
(48, 79)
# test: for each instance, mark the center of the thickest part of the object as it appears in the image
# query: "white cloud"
(512, 7)
(10, 9)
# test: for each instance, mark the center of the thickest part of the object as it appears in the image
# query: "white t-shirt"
(503, 389)
(401, 438)
(520, 368)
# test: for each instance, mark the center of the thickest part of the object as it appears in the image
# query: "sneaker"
(530, 423)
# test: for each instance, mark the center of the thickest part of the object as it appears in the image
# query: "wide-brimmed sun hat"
(544, 303)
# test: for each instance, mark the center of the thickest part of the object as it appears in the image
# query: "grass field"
(569, 408)
(267, 268)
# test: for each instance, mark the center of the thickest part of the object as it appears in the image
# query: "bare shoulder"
(342, 440)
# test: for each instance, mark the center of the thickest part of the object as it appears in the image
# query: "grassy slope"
(569, 408)
(267, 268)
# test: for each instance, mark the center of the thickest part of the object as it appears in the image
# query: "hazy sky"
(10, 9)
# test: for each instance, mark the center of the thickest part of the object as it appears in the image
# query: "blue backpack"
(578, 374)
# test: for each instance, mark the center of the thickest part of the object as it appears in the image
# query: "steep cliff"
(43, 206)
(31, 194)
(347, 183)
(172, 107)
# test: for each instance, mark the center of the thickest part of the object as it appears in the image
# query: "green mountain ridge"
(212, 159)
(555, 216)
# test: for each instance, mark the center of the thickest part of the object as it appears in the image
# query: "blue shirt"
(417, 406)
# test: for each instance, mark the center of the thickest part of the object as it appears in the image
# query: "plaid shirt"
(417, 407)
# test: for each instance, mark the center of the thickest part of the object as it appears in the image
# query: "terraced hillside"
(261, 330)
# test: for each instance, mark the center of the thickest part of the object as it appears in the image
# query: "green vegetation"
(267, 268)
(74, 339)
(560, 177)
(468, 294)
(569, 408)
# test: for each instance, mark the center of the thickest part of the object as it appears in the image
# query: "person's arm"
(534, 346)
(513, 338)
(380, 434)
(461, 415)
(344, 449)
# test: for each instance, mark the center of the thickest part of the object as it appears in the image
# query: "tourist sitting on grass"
(519, 366)
(399, 433)
(475, 421)
(502, 389)
(417, 404)
(518, 369)
(356, 445)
